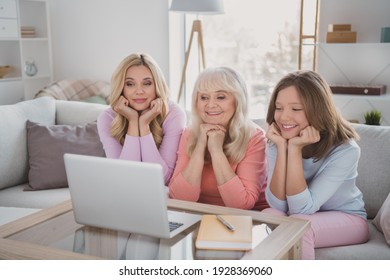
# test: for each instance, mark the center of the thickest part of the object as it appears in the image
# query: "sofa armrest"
(77, 112)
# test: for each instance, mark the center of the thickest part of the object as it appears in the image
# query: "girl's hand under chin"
(273, 134)
(308, 135)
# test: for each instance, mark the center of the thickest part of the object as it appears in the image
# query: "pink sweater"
(144, 148)
(244, 191)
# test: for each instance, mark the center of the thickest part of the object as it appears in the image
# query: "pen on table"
(225, 223)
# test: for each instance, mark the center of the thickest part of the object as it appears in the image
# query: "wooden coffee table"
(33, 236)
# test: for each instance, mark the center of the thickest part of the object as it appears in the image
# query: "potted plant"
(373, 117)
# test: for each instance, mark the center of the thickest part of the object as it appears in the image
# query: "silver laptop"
(122, 195)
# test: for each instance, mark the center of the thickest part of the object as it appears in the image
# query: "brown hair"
(320, 109)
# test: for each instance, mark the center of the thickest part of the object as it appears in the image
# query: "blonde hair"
(320, 110)
(120, 123)
(240, 128)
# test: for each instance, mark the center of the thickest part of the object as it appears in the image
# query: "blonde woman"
(141, 124)
(221, 157)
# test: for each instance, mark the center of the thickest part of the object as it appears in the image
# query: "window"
(258, 38)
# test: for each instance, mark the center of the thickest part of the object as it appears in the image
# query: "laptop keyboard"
(174, 225)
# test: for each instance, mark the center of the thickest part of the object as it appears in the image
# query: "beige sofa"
(373, 179)
(15, 157)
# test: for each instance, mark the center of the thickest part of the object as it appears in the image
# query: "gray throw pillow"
(47, 146)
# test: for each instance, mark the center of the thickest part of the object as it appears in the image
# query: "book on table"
(213, 234)
(259, 233)
(210, 254)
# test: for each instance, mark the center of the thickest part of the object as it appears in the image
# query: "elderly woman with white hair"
(221, 157)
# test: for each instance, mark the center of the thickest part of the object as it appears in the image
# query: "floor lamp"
(198, 7)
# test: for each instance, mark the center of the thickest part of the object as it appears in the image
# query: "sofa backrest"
(13, 134)
(13, 137)
(77, 112)
(374, 165)
(261, 122)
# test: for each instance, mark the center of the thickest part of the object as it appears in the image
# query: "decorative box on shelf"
(359, 89)
(339, 27)
(340, 33)
(4, 70)
(385, 35)
(28, 31)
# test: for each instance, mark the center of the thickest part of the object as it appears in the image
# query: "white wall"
(91, 37)
(366, 16)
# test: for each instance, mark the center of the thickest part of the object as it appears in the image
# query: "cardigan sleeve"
(179, 187)
(243, 190)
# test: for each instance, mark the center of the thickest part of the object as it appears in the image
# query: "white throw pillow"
(13, 137)
(382, 219)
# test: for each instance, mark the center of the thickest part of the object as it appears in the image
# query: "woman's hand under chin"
(155, 109)
(122, 108)
(206, 130)
(216, 138)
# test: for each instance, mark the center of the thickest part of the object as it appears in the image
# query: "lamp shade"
(210, 7)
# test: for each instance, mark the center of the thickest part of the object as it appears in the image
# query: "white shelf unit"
(356, 63)
(366, 62)
(16, 49)
(353, 107)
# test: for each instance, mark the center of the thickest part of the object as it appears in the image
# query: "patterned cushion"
(75, 90)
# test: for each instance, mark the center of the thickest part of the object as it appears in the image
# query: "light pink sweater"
(144, 148)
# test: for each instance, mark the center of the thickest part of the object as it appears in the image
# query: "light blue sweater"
(331, 183)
